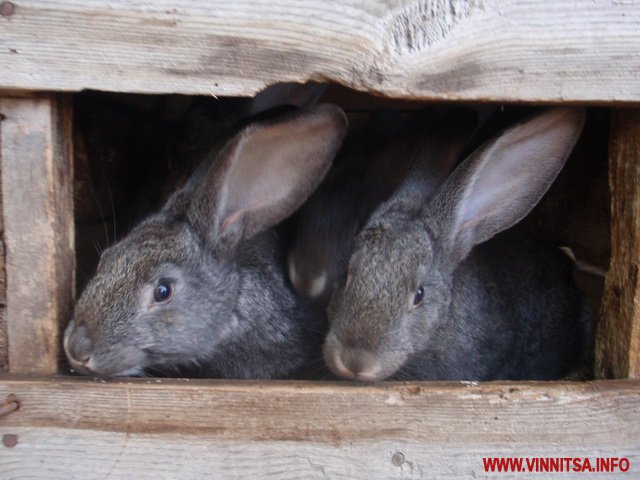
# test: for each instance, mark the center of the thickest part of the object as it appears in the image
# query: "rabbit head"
(163, 296)
(360, 180)
(396, 300)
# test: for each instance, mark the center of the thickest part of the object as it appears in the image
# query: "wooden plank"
(37, 177)
(80, 428)
(500, 50)
(4, 345)
(618, 338)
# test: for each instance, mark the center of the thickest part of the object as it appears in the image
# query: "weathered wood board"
(478, 50)
(488, 50)
(78, 428)
(37, 179)
(4, 347)
(618, 339)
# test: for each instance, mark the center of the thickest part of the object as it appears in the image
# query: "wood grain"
(79, 428)
(4, 346)
(498, 50)
(618, 339)
(37, 177)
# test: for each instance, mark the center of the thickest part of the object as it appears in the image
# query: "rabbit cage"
(92, 94)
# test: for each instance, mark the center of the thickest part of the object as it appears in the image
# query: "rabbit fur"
(433, 293)
(372, 164)
(326, 224)
(200, 285)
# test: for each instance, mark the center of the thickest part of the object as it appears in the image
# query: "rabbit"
(200, 285)
(432, 293)
(325, 228)
(327, 223)
(362, 178)
(279, 94)
(195, 126)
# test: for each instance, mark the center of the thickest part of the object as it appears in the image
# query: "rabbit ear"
(436, 154)
(502, 181)
(433, 149)
(177, 204)
(279, 94)
(264, 174)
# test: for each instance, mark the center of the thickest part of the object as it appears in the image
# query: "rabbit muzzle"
(87, 358)
(353, 362)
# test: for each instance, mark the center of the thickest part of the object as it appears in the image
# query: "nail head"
(9, 440)
(397, 459)
(7, 9)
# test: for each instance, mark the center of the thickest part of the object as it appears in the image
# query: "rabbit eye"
(163, 291)
(417, 300)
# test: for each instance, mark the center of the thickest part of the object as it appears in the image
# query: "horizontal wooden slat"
(79, 428)
(501, 50)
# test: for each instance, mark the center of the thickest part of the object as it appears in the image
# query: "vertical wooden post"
(618, 337)
(37, 182)
(4, 344)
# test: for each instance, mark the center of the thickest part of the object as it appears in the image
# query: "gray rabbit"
(371, 166)
(201, 284)
(431, 295)
(327, 223)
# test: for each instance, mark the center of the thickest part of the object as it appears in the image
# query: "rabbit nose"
(316, 286)
(78, 347)
(354, 363)
(312, 285)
